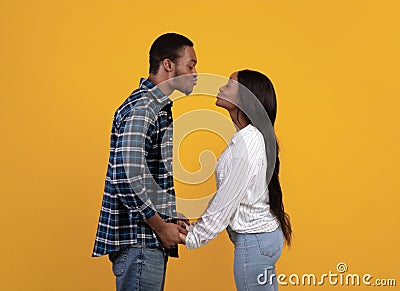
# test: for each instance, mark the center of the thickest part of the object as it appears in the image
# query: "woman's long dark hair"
(253, 82)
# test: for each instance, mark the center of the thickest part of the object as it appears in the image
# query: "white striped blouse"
(242, 198)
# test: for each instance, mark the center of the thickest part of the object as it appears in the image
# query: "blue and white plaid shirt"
(139, 179)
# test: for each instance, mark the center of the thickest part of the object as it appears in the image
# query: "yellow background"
(67, 65)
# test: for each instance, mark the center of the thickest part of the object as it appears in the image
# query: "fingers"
(183, 238)
(186, 220)
(182, 217)
(178, 238)
(182, 224)
(182, 230)
(173, 234)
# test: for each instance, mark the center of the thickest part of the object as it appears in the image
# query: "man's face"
(185, 71)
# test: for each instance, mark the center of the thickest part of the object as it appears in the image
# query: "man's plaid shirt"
(139, 179)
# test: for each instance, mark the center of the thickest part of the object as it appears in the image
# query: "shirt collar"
(241, 133)
(155, 91)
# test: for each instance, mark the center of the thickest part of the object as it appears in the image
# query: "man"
(138, 221)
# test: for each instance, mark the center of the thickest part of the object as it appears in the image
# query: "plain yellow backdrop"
(67, 65)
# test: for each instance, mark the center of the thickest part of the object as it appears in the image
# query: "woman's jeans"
(138, 268)
(255, 258)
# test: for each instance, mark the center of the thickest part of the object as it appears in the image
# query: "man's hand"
(169, 233)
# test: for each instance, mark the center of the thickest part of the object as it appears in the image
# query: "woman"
(249, 198)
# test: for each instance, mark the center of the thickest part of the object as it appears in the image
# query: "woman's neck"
(238, 118)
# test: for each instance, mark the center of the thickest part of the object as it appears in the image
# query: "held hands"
(182, 218)
(170, 234)
(183, 222)
(182, 235)
(183, 238)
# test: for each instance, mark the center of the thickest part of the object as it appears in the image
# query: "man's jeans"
(138, 268)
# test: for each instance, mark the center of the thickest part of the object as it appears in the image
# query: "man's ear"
(168, 65)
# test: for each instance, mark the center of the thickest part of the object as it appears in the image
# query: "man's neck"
(161, 83)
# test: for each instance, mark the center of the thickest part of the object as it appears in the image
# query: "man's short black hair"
(167, 46)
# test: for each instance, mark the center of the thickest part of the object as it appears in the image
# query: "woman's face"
(228, 95)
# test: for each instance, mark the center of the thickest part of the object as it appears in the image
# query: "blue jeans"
(255, 258)
(139, 268)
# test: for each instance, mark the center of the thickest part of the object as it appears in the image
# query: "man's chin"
(187, 91)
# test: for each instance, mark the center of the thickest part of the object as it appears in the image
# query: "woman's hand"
(184, 223)
(181, 217)
(183, 238)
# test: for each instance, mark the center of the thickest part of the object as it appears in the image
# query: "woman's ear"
(168, 65)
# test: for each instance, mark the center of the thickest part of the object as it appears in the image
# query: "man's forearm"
(156, 223)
